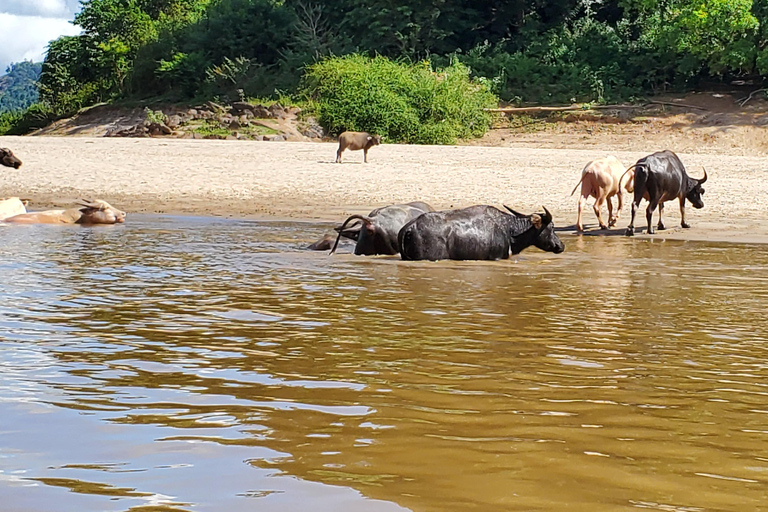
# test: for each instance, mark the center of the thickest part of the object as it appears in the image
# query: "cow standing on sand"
(377, 233)
(602, 179)
(662, 177)
(476, 233)
(8, 159)
(355, 141)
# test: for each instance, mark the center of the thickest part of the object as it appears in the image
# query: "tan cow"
(602, 179)
(355, 141)
(90, 212)
(11, 206)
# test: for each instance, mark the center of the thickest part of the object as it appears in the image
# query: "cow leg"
(682, 213)
(660, 226)
(611, 218)
(649, 215)
(338, 156)
(631, 228)
(598, 210)
(582, 202)
(620, 197)
(365, 155)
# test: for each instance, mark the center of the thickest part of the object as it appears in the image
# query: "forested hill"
(523, 51)
(17, 87)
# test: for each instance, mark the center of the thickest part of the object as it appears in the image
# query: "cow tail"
(341, 229)
(579, 183)
(630, 168)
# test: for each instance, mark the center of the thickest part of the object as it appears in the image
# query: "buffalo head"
(100, 212)
(696, 191)
(8, 159)
(546, 238)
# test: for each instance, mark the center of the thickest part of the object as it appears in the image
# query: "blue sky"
(26, 27)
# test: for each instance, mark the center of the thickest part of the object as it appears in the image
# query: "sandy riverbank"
(300, 180)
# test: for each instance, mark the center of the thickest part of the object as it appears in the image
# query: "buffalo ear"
(536, 220)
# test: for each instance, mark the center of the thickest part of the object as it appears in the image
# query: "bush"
(401, 102)
(35, 117)
(8, 121)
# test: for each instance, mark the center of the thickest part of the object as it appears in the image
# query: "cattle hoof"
(651, 231)
(630, 231)
(661, 227)
(686, 225)
(603, 226)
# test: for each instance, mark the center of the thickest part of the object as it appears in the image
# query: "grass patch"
(210, 128)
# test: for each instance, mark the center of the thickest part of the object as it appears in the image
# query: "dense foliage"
(404, 103)
(17, 87)
(526, 50)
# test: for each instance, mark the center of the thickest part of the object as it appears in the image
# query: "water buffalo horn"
(546, 218)
(341, 229)
(702, 180)
(516, 214)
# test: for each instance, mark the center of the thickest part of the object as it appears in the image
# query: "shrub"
(401, 102)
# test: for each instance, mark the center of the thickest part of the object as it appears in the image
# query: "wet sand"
(301, 181)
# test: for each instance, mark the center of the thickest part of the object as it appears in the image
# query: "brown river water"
(199, 364)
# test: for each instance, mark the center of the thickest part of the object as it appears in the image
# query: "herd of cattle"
(417, 232)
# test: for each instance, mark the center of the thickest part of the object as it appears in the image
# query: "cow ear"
(370, 138)
(536, 220)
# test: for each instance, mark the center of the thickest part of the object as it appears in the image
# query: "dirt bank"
(300, 180)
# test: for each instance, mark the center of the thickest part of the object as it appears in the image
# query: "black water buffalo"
(661, 177)
(476, 233)
(377, 231)
(8, 159)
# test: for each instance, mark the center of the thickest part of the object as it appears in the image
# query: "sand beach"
(299, 180)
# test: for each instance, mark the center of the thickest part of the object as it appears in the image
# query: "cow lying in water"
(8, 159)
(476, 233)
(89, 213)
(11, 206)
(602, 179)
(660, 177)
(377, 231)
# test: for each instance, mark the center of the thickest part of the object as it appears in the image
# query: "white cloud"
(43, 8)
(27, 37)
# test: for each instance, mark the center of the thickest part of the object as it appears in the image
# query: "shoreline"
(299, 181)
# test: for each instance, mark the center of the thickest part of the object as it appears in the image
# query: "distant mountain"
(17, 86)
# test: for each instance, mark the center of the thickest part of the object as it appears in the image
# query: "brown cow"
(11, 206)
(91, 212)
(8, 159)
(602, 179)
(355, 141)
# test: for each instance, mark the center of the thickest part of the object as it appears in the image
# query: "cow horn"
(516, 214)
(363, 218)
(702, 180)
(546, 218)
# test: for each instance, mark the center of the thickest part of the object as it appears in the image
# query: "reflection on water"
(199, 364)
